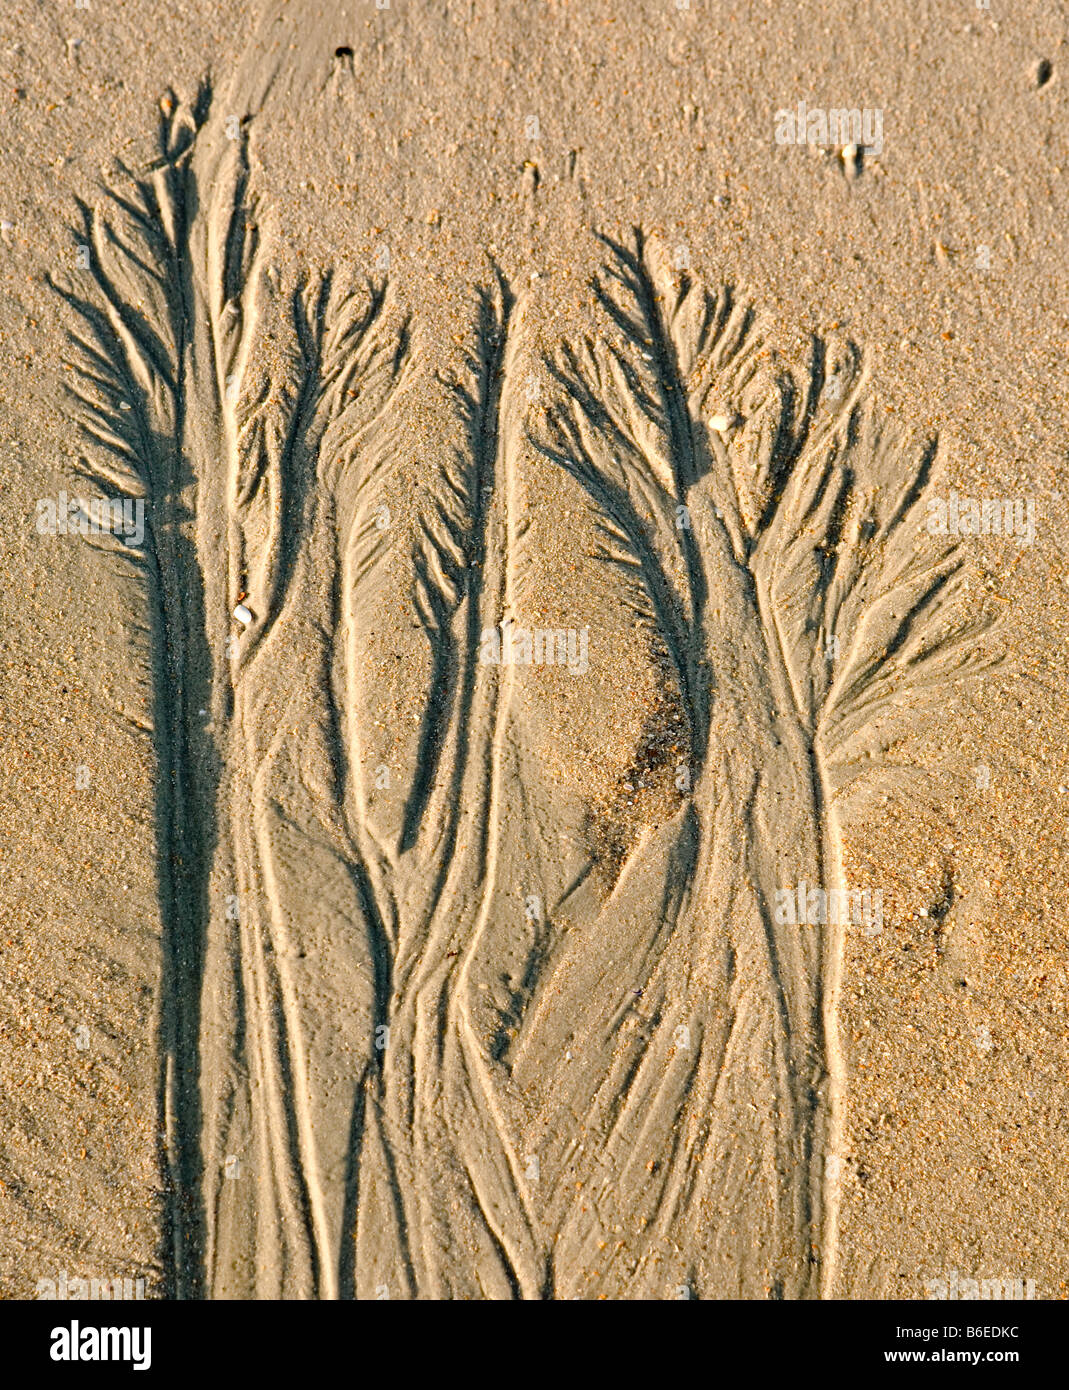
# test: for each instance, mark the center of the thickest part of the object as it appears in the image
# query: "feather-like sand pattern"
(333, 1022)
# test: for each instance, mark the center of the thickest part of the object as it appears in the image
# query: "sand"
(549, 780)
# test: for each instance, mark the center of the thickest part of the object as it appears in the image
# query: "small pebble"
(243, 615)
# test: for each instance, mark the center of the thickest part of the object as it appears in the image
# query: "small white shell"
(243, 615)
(721, 423)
